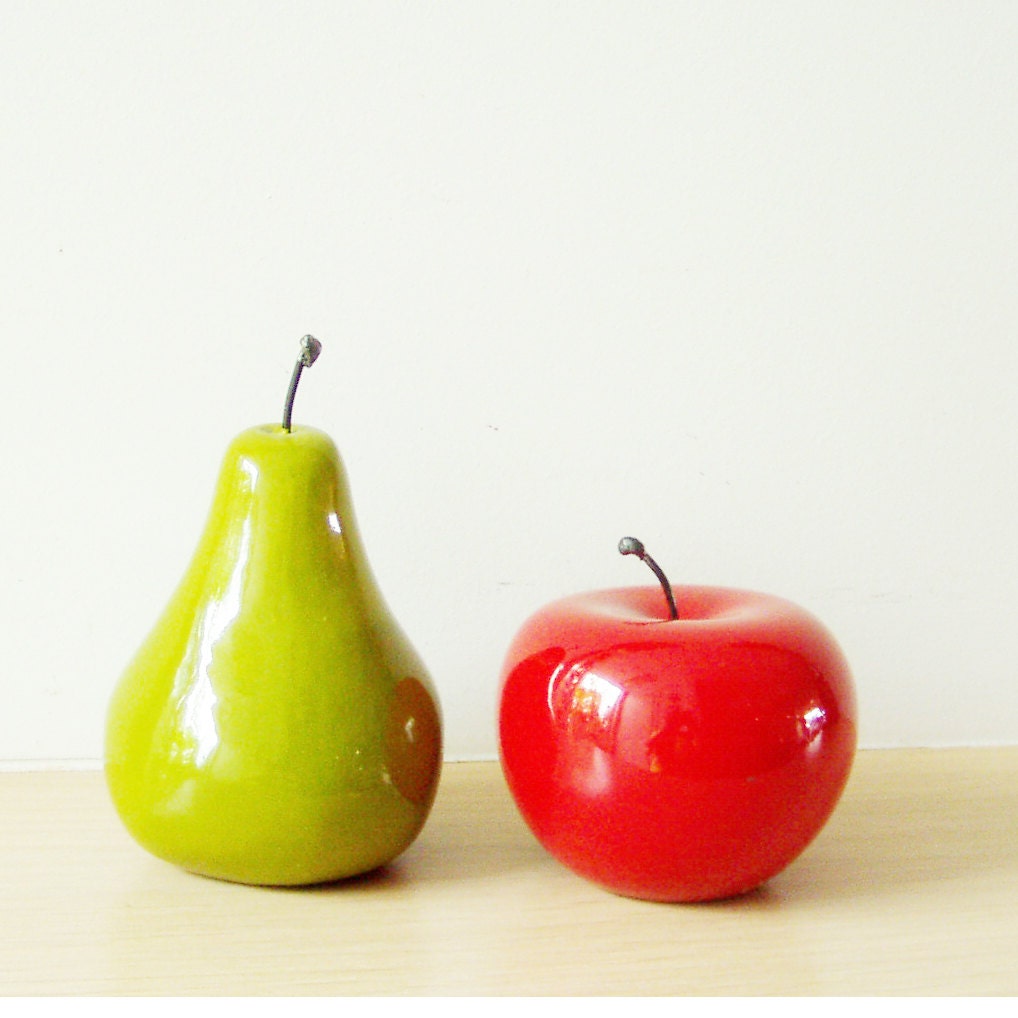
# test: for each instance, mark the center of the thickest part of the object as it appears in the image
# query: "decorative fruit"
(276, 726)
(679, 748)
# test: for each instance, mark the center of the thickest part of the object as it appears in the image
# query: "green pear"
(276, 727)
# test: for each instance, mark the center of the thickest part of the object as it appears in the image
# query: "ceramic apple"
(675, 745)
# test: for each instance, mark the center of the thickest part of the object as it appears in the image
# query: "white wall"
(738, 278)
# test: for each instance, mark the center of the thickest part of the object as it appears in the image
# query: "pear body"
(276, 727)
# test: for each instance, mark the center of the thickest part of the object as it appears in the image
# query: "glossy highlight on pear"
(276, 726)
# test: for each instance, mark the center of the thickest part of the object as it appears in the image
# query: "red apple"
(677, 748)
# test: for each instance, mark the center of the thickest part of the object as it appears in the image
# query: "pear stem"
(633, 546)
(310, 348)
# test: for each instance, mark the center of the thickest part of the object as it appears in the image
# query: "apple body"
(684, 759)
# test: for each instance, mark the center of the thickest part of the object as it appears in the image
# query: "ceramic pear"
(276, 727)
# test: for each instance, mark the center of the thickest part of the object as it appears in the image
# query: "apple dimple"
(644, 605)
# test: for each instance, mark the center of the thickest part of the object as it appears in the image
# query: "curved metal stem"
(634, 546)
(310, 348)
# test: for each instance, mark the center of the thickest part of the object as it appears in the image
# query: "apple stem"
(310, 348)
(632, 546)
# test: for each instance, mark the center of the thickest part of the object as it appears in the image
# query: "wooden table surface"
(912, 888)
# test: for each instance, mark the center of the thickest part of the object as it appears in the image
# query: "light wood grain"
(911, 888)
